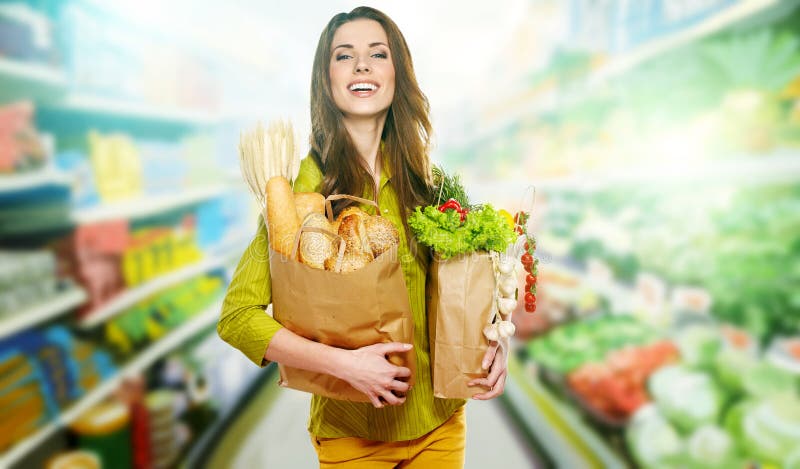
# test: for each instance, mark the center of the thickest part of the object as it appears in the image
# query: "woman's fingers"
(488, 357)
(390, 398)
(393, 347)
(401, 386)
(375, 401)
(402, 372)
(494, 391)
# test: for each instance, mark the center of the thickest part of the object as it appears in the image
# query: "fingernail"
(408, 346)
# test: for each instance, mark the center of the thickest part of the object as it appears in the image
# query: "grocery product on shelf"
(72, 459)
(154, 317)
(44, 371)
(91, 255)
(22, 148)
(154, 251)
(161, 407)
(27, 278)
(105, 431)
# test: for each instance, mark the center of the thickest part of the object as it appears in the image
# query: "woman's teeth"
(363, 87)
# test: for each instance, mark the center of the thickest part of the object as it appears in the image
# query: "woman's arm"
(366, 369)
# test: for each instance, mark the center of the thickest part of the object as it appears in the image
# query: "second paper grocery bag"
(460, 292)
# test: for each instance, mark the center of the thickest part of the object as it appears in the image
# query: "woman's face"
(361, 69)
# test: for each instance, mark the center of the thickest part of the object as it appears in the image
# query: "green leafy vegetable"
(484, 229)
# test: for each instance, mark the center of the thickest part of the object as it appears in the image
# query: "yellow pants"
(442, 448)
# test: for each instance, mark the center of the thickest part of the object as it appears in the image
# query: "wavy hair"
(406, 132)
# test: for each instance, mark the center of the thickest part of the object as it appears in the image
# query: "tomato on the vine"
(530, 279)
(530, 298)
(530, 307)
(527, 260)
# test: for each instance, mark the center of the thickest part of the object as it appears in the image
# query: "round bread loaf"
(381, 234)
(315, 248)
(354, 233)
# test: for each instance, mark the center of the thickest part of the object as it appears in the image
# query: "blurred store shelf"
(32, 180)
(781, 166)
(133, 295)
(143, 360)
(569, 441)
(145, 206)
(106, 107)
(57, 305)
(38, 81)
(37, 219)
(737, 14)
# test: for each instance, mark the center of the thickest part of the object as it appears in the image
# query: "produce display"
(568, 347)
(615, 387)
(700, 395)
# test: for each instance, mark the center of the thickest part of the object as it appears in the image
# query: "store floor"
(278, 437)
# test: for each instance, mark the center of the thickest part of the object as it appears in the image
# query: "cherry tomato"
(530, 307)
(527, 261)
(530, 279)
(530, 298)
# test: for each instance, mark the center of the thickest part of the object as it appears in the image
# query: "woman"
(370, 135)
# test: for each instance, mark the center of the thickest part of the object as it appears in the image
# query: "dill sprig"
(446, 187)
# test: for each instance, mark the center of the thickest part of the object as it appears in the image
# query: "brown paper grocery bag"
(346, 310)
(460, 293)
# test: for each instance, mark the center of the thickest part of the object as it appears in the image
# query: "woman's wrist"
(338, 363)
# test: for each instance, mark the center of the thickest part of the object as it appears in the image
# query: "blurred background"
(662, 138)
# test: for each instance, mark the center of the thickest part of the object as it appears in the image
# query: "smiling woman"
(370, 138)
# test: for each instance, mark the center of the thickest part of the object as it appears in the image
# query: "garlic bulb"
(508, 286)
(506, 329)
(505, 265)
(491, 332)
(506, 305)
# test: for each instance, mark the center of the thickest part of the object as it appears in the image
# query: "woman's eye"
(342, 57)
(380, 55)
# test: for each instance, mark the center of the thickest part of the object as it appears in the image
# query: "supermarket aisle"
(280, 439)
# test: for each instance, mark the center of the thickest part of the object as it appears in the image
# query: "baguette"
(282, 220)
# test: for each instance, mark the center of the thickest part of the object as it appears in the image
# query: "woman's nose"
(362, 66)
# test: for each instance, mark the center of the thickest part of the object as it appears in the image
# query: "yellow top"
(246, 326)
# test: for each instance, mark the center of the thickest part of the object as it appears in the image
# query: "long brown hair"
(406, 132)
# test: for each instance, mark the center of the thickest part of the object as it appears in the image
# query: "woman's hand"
(368, 370)
(496, 361)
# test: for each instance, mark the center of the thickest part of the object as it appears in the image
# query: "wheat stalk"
(264, 154)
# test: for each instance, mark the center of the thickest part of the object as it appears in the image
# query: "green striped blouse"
(246, 326)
